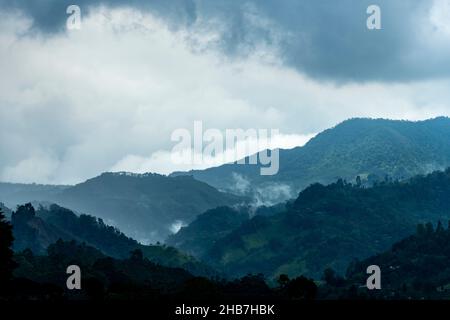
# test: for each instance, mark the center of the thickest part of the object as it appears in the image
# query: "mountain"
(369, 148)
(111, 280)
(134, 277)
(329, 226)
(13, 194)
(147, 207)
(199, 236)
(39, 229)
(416, 267)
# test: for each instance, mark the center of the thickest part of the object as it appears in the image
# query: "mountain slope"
(329, 226)
(13, 194)
(37, 230)
(416, 267)
(199, 236)
(147, 207)
(370, 148)
(132, 277)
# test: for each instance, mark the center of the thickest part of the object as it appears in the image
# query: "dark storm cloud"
(324, 39)
(50, 15)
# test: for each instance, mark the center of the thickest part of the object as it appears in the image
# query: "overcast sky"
(75, 103)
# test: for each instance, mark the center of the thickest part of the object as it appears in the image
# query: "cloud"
(325, 40)
(166, 161)
(74, 104)
(176, 226)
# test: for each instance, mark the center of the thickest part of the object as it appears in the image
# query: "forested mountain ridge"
(416, 267)
(199, 236)
(329, 226)
(38, 229)
(13, 194)
(147, 207)
(135, 278)
(369, 148)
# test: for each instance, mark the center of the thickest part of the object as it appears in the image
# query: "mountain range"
(147, 207)
(416, 267)
(37, 230)
(368, 148)
(365, 152)
(325, 227)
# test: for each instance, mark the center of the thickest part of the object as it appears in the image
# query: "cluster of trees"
(417, 267)
(6, 254)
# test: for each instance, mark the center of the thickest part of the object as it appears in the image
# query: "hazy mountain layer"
(199, 237)
(370, 148)
(37, 230)
(147, 207)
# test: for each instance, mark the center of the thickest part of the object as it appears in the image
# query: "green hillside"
(329, 226)
(37, 230)
(370, 148)
(147, 207)
(416, 267)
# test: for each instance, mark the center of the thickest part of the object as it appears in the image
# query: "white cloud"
(109, 95)
(162, 160)
(440, 16)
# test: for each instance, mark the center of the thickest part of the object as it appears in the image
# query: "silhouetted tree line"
(417, 267)
(26, 276)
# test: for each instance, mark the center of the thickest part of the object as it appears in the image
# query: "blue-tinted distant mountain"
(13, 194)
(147, 207)
(369, 148)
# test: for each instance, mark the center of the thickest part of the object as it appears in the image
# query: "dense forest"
(144, 206)
(315, 245)
(417, 267)
(26, 276)
(325, 227)
(37, 229)
(369, 148)
(200, 235)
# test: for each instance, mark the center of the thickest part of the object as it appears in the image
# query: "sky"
(107, 97)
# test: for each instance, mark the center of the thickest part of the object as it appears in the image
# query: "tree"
(429, 228)
(137, 255)
(439, 228)
(26, 235)
(332, 279)
(358, 181)
(302, 288)
(283, 280)
(421, 229)
(329, 276)
(7, 264)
